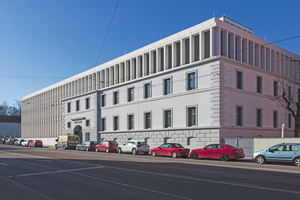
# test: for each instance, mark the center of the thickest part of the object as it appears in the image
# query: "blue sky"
(45, 41)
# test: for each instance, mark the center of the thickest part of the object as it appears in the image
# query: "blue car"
(285, 152)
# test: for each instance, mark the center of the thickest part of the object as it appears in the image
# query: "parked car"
(35, 143)
(107, 146)
(10, 141)
(18, 142)
(223, 152)
(67, 141)
(170, 149)
(26, 143)
(134, 147)
(285, 152)
(87, 146)
(3, 140)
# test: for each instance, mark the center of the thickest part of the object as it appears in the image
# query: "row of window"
(87, 105)
(191, 120)
(239, 118)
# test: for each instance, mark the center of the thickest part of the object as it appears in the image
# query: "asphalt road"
(46, 173)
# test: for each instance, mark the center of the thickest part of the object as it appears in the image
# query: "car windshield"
(177, 146)
(73, 138)
(112, 142)
(230, 146)
(142, 143)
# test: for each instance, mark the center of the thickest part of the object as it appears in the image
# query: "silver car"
(134, 147)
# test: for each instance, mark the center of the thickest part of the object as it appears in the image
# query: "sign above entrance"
(77, 118)
(78, 122)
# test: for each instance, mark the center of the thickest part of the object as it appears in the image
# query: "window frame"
(103, 100)
(188, 80)
(146, 90)
(87, 103)
(258, 117)
(87, 122)
(275, 119)
(241, 115)
(164, 118)
(69, 107)
(116, 97)
(130, 96)
(146, 120)
(165, 85)
(188, 116)
(239, 80)
(259, 84)
(103, 127)
(77, 105)
(116, 124)
(275, 88)
(129, 122)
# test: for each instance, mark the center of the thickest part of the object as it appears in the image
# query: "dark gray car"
(87, 146)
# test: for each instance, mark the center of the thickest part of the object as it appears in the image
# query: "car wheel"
(96, 149)
(224, 157)
(194, 155)
(107, 150)
(119, 150)
(153, 153)
(133, 151)
(174, 154)
(65, 148)
(87, 149)
(146, 153)
(56, 147)
(260, 160)
(297, 162)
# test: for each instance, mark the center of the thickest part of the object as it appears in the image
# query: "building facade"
(206, 83)
(10, 126)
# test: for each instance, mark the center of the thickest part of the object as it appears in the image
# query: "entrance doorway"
(78, 131)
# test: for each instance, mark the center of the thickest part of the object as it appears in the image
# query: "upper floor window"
(259, 84)
(168, 118)
(103, 100)
(147, 120)
(258, 117)
(275, 88)
(130, 94)
(69, 124)
(147, 90)
(87, 103)
(69, 107)
(130, 122)
(275, 119)
(239, 116)
(77, 105)
(167, 86)
(116, 98)
(191, 116)
(239, 80)
(87, 123)
(191, 81)
(116, 123)
(103, 127)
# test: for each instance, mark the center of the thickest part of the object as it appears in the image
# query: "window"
(87, 103)
(69, 107)
(239, 113)
(192, 116)
(168, 118)
(116, 98)
(298, 95)
(167, 86)
(87, 136)
(275, 88)
(69, 124)
(147, 90)
(130, 94)
(191, 81)
(275, 119)
(130, 122)
(87, 123)
(116, 123)
(290, 120)
(77, 105)
(147, 120)
(103, 124)
(103, 102)
(258, 117)
(290, 92)
(259, 84)
(239, 80)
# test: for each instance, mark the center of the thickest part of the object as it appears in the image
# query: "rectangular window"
(87, 123)
(147, 120)
(290, 120)
(275, 88)
(177, 46)
(130, 122)
(239, 80)
(196, 48)
(87, 103)
(69, 124)
(275, 119)
(259, 84)
(207, 44)
(116, 98)
(116, 123)
(258, 117)
(168, 118)
(77, 105)
(147, 90)
(103, 102)
(191, 81)
(69, 107)
(87, 136)
(103, 124)
(239, 118)
(298, 95)
(290, 92)
(167, 86)
(130, 94)
(192, 116)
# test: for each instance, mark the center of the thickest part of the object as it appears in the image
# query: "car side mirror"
(56, 140)
(267, 150)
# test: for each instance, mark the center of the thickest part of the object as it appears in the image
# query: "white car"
(26, 143)
(134, 147)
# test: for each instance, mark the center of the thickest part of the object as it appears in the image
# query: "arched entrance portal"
(77, 131)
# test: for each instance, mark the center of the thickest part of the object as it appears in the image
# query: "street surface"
(46, 173)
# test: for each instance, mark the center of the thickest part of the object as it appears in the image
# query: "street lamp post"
(282, 131)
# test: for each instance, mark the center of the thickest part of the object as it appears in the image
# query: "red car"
(107, 146)
(36, 143)
(218, 151)
(170, 149)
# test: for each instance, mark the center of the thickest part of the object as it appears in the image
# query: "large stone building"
(208, 82)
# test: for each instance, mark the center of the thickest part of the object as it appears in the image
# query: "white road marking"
(4, 164)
